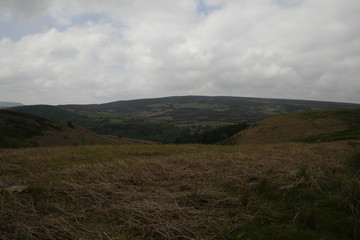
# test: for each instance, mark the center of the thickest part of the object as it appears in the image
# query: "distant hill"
(9, 104)
(313, 126)
(24, 130)
(55, 113)
(204, 109)
(174, 119)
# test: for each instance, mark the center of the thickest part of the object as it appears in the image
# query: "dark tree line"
(214, 135)
(167, 133)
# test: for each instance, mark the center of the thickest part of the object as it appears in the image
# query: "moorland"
(179, 119)
(291, 176)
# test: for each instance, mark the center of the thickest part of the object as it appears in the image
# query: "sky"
(97, 51)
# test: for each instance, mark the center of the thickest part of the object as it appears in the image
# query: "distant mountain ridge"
(9, 104)
(221, 109)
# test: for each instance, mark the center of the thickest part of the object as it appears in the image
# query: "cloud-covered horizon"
(93, 51)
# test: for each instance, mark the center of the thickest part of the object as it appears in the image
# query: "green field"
(269, 191)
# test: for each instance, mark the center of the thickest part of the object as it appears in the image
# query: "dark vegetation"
(17, 128)
(24, 130)
(166, 133)
(162, 132)
(217, 134)
(56, 113)
(175, 119)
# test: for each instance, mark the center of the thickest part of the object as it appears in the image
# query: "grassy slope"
(24, 130)
(55, 113)
(279, 191)
(304, 126)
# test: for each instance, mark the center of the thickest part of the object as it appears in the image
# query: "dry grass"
(300, 126)
(181, 192)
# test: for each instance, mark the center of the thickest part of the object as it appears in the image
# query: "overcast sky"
(96, 51)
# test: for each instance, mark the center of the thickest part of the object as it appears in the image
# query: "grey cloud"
(268, 48)
(288, 3)
(26, 9)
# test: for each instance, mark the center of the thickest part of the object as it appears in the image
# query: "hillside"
(284, 191)
(24, 130)
(204, 109)
(313, 126)
(173, 119)
(56, 113)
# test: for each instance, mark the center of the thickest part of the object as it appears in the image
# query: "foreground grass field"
(273, 191)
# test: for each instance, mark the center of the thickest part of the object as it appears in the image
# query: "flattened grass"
(278, 191)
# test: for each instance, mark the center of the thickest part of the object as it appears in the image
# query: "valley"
(174, 119)
(290, 176)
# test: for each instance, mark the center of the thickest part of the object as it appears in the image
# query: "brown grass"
(157, 192)
(289, 127)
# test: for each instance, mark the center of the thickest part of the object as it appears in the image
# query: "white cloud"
(307, 49)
